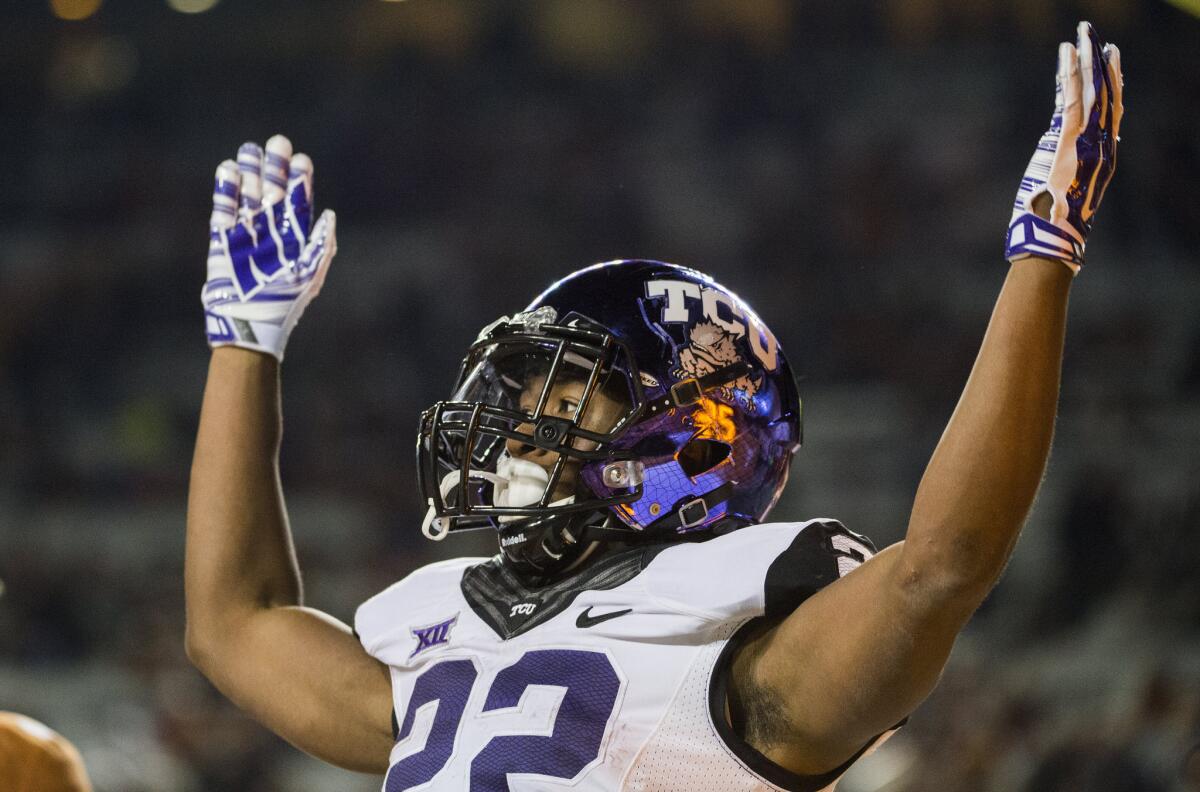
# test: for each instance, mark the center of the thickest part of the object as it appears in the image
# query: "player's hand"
(1075, 159)
(266, 260)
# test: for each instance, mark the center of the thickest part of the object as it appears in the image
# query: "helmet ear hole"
(701, 454)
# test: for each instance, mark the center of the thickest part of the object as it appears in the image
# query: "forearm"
(239, 550)
(843, 679)
(984, 474)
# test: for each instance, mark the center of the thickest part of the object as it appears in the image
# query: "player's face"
(602, 414)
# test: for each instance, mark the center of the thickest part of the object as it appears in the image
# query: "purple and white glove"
(266, 261)
(1075, 159)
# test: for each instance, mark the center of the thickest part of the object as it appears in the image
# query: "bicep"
(304, 675)
(850, 662)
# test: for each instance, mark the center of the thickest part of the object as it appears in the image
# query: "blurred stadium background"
(847, 166)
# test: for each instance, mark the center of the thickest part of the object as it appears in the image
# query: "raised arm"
(860, 655)
(300, 672)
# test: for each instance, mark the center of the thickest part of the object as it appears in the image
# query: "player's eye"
(565, 406)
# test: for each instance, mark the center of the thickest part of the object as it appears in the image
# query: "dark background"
(847, 167)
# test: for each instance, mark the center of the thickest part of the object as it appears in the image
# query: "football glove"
(266, 261)
(1075, 159)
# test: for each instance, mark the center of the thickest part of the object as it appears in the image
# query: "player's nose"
(526, 450)
(519, 449)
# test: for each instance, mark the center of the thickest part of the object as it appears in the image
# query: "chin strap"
(538, 551)
(689, 391)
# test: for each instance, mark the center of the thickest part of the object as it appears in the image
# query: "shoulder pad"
(818, 555)
(758, 570)
(378, 619)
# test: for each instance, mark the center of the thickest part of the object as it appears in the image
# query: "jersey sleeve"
(382, 622)
(759, 570)
(820, 552)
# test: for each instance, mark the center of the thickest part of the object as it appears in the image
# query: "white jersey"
(612, 679)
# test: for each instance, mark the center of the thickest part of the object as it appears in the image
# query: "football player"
(625, 435)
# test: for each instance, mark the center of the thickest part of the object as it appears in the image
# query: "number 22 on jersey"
(561, 745)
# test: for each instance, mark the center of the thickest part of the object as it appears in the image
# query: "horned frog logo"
(712, 347)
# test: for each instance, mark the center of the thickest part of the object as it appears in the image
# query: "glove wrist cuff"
(1030, 235)
(257, 336)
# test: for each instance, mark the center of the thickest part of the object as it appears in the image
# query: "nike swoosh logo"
(585, 620)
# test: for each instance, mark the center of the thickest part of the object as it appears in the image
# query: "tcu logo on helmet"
(723, 314)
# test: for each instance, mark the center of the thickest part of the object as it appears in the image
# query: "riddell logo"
(509, 541)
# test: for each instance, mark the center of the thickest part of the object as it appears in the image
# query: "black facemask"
(503, 401)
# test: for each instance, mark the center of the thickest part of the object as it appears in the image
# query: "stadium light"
(74, 9)
(1190, 6)
(192, 6)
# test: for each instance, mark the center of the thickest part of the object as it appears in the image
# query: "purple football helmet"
(693, 420)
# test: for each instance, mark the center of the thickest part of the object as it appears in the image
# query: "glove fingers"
(249, 160)
(300, 190)
(225, 196)
(1072, 86)
(1086, 66)
(1116, 80)
(1109, 125)
(1091, 65)
(301, 174)
(275, 169)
